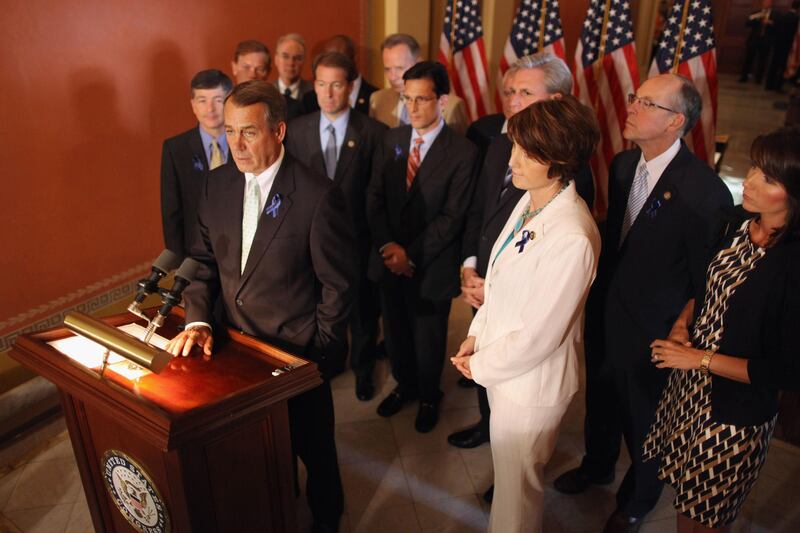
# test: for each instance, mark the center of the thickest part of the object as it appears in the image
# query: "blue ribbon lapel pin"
(274, 206)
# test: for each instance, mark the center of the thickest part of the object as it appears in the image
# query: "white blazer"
(529, 330)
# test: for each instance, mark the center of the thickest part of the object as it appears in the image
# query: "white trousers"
(523, 439)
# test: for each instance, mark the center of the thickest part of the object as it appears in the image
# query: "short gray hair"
(557, 77)
(296, 37)
(688, 102)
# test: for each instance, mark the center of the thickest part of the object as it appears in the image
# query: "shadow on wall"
(169, 80)
(102, 170)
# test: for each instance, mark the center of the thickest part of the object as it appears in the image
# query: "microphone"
(169, 299)
(165, 263)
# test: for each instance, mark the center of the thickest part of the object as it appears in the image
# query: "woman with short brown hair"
(524, 340)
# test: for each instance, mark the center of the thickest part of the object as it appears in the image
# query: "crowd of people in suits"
(320, 210)
(771, 36)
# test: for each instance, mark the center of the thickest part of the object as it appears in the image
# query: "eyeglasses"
(647, 104)
(419, 100)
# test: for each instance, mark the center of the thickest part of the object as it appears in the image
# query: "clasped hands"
(461, 359)
(396, 260)
(472, 287)
(675, 351)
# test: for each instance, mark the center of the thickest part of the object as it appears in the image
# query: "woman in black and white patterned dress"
(733, 353)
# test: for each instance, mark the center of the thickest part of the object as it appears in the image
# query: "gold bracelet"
(706, 362)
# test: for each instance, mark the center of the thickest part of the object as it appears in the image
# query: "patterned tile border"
(88, 299)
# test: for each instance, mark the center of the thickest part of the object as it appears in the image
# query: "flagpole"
(598, 65)
(679, 46)
(542, 21)
(454, 11)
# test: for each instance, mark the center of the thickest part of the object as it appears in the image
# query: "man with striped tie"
(416, 207)
(187, 158)
(663, 213)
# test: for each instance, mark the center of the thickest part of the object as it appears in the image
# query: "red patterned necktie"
(413, 163)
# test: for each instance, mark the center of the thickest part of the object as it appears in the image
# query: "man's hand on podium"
(183, 342)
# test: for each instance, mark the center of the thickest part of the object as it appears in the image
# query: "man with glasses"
(416, 206)
(663, 213)
(290, 54)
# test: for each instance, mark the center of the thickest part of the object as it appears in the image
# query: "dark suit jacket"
(484, 130)
(354, 168)
(761, 322)
(310, 103)
(183, 170)
(428, 219)
(489, 211)
(298, 284)
(642, 286)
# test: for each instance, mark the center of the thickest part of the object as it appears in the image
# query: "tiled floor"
(397, 480)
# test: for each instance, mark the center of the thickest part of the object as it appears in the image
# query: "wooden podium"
(202, 446)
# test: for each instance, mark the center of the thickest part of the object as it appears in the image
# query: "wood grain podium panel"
(212, 435)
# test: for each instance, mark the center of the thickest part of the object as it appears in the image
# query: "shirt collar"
(206, 137)
(429, 137)
(339, 123)
(267, 175)
(657, 165)
(354, 93)
(292, 88)
(504, 129)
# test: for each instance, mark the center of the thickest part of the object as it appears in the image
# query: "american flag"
(466, 60)
(687, 48)
(605, 72)
(536, 28)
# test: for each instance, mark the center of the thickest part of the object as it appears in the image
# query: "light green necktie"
(252, 208)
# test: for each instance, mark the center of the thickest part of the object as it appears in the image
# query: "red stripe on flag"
(475, 89)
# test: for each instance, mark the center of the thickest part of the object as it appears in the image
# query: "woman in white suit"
(523, 343)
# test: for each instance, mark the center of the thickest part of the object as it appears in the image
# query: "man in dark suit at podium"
(340, 142)
(187, 158)
(362, 89)
(278, 249)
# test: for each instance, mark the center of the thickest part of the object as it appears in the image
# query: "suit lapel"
(313, 142)
(352, 139)
(268, 225)
(198, 153)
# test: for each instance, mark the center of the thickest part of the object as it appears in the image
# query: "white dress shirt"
(428, 138)
(294, 89)
(354, 93)
(657, 165)
(339, 126)
(265, 181)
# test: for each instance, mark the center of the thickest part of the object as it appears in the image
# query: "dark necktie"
(287, 92)
(506, 182)
(330, 152)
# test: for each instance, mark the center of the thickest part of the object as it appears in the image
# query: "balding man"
(400, 52)
(362, 89)
(290, 55)
(662, 215)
